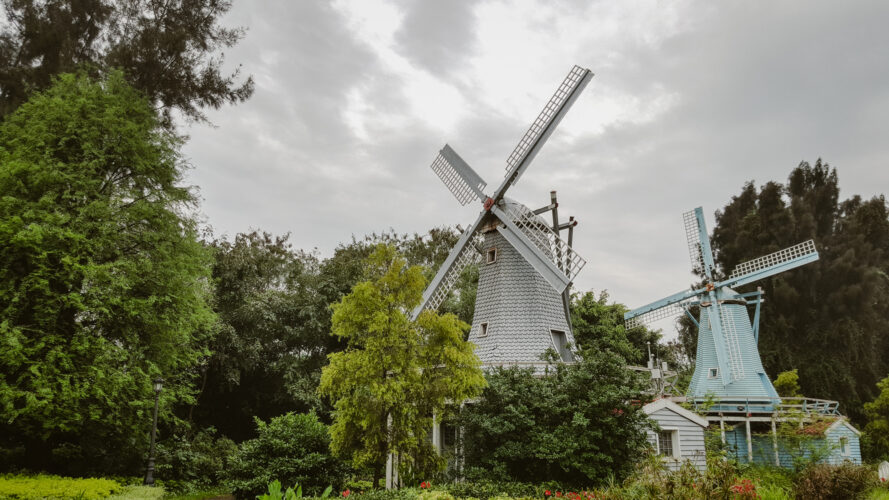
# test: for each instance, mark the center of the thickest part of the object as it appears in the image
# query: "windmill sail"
(458, 176)
(773, 263)
(545, 123)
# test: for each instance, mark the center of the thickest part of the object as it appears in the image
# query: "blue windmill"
(728, 366)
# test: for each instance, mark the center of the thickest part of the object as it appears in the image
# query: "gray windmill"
(521, 309)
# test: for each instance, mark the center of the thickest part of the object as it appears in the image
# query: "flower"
(424, 485)
(558, 494)
(346, 493)
(547, 493)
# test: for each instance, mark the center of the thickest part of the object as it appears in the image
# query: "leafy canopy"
(395, 373)
(103, 284)
(169, 50)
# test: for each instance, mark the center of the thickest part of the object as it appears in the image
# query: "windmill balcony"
(806, 406)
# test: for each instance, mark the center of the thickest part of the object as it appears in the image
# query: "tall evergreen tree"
(827, 319)
(168, 50)
(103, 283)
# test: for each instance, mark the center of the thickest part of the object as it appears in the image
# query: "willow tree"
(395, 373)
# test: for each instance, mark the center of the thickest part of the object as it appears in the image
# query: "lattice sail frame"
(468, 256)
(544, 118)
(457, 183)
(545, 239)
(658, 314)
(732, 344)
(773, 259)
(693, 235)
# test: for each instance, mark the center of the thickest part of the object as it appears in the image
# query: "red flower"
(547, 493)
(424, 485)
(558, 494)
(346, 493)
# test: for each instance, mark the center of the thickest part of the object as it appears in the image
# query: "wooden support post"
(722, 428)
(749, 442)
(775, 443)
(436, 434)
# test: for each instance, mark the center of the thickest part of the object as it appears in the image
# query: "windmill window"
(560, 342)
(484, 330)
(713, 372)
(491, 255)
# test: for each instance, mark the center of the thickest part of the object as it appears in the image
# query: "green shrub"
(189, 464)
(840, 482)
(484, 490)
(139, 493)
(43, 486)
(292, 449)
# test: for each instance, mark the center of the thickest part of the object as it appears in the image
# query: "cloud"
(690, 100)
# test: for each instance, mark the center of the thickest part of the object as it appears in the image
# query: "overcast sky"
(689, 101)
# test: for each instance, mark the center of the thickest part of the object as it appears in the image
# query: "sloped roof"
(662, 403)
(842, 421)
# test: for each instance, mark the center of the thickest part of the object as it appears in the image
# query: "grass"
(139, 493)
(199, 495)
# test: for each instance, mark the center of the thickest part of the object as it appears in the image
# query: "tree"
(599, 325)
(103, 283)
(272, 338)
(395, 373)
(827, 318)
(167, 50)
(787, 384)
(876, 432)
(578, 425)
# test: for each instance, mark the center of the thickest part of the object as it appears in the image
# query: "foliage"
(840, 482)
(139, 493)
(600, 326)
(272, 338)
(295, 493)
(169, 51)
(207, 494)
(803, 439)
(876, 432)
(103, 283)
(485, 489)
(52, 487)
(188, 463)
(577, 425)
(395, 372)
(293, 448)
(787, 384)
(825, 318)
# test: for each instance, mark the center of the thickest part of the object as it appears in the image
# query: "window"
(560, 342)
(713, 372)
(484, 330)
(491, 255)
(844, 447)
(668, 443)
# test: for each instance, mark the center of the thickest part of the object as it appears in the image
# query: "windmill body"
(525, 267)
(727, 366)
(753, 385)
(518, 315)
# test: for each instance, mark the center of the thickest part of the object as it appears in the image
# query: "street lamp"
(149, 474)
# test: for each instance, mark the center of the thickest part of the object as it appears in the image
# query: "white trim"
(712, 372)
(675, 408)
(488, 255)
(675, 440)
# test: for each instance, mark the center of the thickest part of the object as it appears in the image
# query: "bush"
(484, 490)
(577, 425)
(139, 493)
(51, 487)
(291, 448)
(185, 464)
(840, 482)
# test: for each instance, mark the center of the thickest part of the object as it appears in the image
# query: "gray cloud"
(751, 90)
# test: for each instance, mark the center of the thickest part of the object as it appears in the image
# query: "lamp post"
(149, 474)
